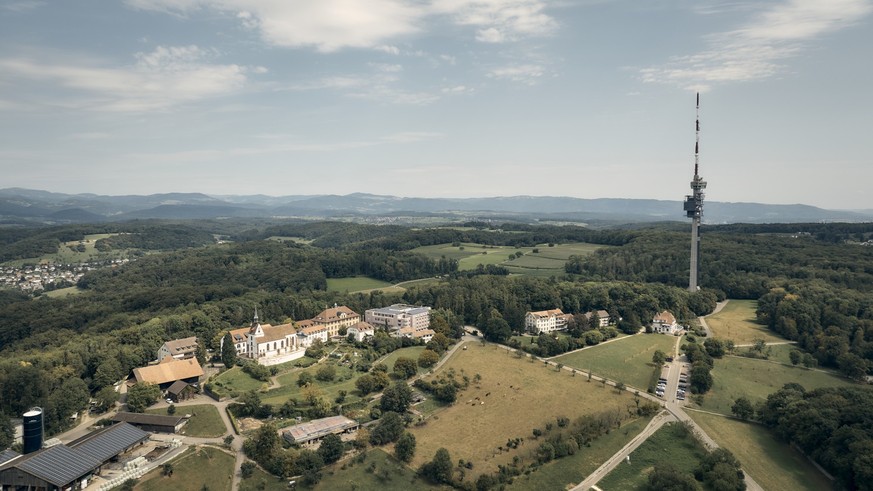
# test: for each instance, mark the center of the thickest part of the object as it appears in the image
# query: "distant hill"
(44, 206)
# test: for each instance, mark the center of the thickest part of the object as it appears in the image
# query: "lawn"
(627, 360)
(195, 469)
(773, 464)
(513, 397)
(672, 443)
(289, 387)
(737, 322)
(235, 381)
(557, 474)
(389, 474)
(547, 262)
(205, 421)
(63, 292)
(735, 376)
(355, 284)
(409, 352)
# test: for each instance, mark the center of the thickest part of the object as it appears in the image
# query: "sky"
(440, 98)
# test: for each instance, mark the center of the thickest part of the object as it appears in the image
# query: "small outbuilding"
(313, 431)
(152, 422)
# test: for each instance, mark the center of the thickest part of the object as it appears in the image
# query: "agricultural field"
(736, 322)
(205, 422)
(547, 261)
(627, 360)
(194, 470)
(672, 443)
(773, 464)
(66, 255)
(514, 396)
(63, 292)
(557, 474)
(735, 376)
(355, 284)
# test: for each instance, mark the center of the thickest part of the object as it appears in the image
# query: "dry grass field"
(736, 322)
(513, 397)
(773, 464)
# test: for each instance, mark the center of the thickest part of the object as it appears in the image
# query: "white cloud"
(23, 5)
(756, 50)
(330, 25)
(458, 89)
(527, 74)
(163, 78)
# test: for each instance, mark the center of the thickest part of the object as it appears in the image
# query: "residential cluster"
(39, 277)
(546, 321)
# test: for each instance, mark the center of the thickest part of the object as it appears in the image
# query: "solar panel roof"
(58, 465)
(109, 442)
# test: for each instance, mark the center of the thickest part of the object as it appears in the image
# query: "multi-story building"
(602, 317)
(362, 330)
(665, 323)
(179, 349)
(423, 333)
(335, 318)
(546, 321)
(398, 316)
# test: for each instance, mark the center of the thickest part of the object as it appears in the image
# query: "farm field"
(773, 464)
(672, 443)
(65, 255)
(559, 473)
(734, 376)
(627, 360)
(547, 262)
(192, 471)
(513, 397)
(63, 292)
(355, 284)
(736, 322)
(205, 421)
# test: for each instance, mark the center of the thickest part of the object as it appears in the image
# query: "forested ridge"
(813, 289)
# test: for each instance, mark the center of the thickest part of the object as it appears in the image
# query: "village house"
(178, 349)
(361, 331)
(665, 323)
(545, 321)
(603, 317)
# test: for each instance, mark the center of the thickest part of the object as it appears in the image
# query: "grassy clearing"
(737, 322)
(63, 292)
(755, 379)
(262, 481)
(560, 473)
(355, 284)
(389, 474)
(410, 352)
(205, 421)
(672, 443)
(547, 262)
(236, 381)
(773, 464)
(628, 360)
(513, 397)
(192, 471)
(344, 380)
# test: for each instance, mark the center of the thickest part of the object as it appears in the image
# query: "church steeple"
(255, 321)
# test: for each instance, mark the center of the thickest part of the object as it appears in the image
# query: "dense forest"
(59, 351)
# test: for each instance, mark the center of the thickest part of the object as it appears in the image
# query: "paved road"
(611, 463)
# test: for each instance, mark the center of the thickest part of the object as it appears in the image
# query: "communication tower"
(694, 204)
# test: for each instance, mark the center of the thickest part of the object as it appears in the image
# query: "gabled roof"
(547, 313)
(335, 313)
(177, 387)
(59, 465)
(239, 335)
(362, 326)
(318, 428)
(665, 317)
(308, 331)
(180, 346)
(148, 419)
(275, 333)
(7, 455)
(110, 441)
(168, 370)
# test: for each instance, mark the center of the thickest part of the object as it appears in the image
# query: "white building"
(546, 321)
(398, 316)
(361, 331)
(423, 333)
(665, 323)
(264, 340)
(602, 317)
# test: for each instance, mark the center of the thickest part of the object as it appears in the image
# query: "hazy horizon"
(441, 98)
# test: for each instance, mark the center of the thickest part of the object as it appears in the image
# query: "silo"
(33, 430)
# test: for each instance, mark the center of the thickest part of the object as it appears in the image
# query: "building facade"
(398, 316)
(545, 321)
(665, 323)
(178, 349)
